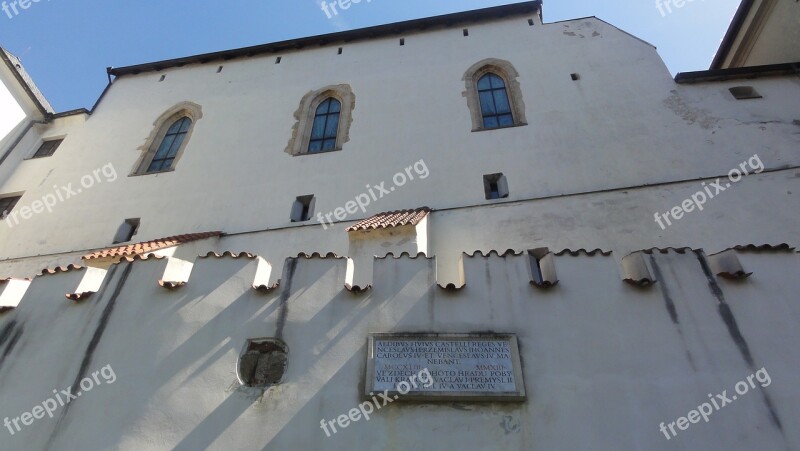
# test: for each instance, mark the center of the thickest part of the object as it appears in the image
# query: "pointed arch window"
(168, 149)
(494, 95)
(325, 128)
(168, 139)
(323, 121)
(495, 106)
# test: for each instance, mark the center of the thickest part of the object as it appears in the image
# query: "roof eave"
(41, 104)
(733, 31)
(343, 36)
(770, 70)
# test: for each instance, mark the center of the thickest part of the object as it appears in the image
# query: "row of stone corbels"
(540, 263)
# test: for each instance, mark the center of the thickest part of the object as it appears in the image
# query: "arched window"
(325, 127)
(170, 144)
(494, 95)
(495, 107)
(323, 121)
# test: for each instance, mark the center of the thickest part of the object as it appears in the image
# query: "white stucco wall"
(596, 352)
(599, 157)
(625, 124)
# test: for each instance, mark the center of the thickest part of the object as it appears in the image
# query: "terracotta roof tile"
(357, 289)
(266, 288)
(580, 252)
(77, 297)
(230, 255)
(505, 254)
(131, 250)
(59, 269)
(320, 256)
(169, 285)
(392, 219)
(404, 255)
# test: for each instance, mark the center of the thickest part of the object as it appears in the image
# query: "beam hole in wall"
(341, 50)
(219, 69)
(530, 22)
(402, 41)
(303, 208)
(163, 77)
(466, 31)
(263, 362)
(495, 186)
(127, 230)
(575, 77)
(744, 92)
(278, 60)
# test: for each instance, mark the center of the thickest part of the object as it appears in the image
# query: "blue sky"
(66, 45)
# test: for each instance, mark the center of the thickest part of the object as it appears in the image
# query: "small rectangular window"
(745, 92)
(127, 230)
(303, 208)
(7, 204)
(48, 148)
(495, 186)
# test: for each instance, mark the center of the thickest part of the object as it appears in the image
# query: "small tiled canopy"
(391, 219)
(150, 246)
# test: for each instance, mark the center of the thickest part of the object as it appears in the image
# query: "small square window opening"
(303, 208)
(127, 230)
(495, 186)
(48, 148)
(744, 92)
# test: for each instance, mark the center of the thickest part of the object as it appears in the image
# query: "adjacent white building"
(269, 208)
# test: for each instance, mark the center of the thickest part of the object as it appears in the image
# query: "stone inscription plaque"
(476, 367)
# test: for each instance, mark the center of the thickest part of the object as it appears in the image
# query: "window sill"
(498, 128)
(152, 173)
(305, 154)
(38, 158)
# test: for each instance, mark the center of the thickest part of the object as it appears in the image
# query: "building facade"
(223, 233)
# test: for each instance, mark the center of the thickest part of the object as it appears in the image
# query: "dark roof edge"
(72, 113)
(769, 70)
(730, 35)
(346, 36)
(27, 84)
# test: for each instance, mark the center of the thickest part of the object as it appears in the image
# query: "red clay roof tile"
(391, 219)
(150, 246)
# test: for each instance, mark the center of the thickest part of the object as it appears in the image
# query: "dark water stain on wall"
(286, 292)
(9, 337)
(729, 319)
(669, 302)
(96, 337)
